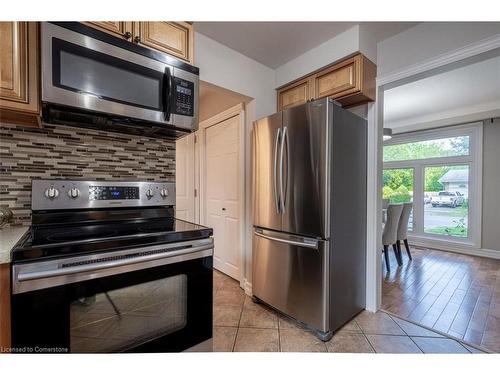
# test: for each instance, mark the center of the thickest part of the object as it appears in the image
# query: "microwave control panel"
(183, 97)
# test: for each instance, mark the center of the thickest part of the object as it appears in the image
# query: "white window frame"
(474, 160)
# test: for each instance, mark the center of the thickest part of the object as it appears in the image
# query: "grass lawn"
(450, 231)
(459, 211)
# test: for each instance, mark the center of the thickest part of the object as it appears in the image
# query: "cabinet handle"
(137, 39)
(223, 209)
(127, 35)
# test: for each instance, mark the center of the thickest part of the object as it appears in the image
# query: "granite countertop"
(8, 239)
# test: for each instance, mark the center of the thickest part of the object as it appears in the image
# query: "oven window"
(94, 73)
(121, 319)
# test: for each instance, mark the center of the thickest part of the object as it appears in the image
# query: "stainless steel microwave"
(92, 79)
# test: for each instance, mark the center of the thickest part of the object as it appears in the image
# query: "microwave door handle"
(167, 94)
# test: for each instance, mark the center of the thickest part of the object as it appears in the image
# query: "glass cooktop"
(65, 240)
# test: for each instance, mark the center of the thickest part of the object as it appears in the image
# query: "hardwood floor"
(452, 293)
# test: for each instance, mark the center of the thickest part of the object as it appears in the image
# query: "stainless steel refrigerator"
(309, 197)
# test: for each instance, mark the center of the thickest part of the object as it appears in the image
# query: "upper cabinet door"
(122, 29)
(19, 68)
(296, 94)
(350, 82)
(174, 38)
(339, 80)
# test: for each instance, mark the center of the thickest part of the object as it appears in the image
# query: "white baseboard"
(455, 248)
(247, 287)
(488, 253)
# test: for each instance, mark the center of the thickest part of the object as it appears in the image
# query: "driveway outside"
(443, 216)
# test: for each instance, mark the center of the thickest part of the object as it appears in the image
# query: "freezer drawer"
(290, 273)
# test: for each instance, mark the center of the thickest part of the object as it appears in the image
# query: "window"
(446, 213)
(443, 147)
(440, 172)
(398, 187)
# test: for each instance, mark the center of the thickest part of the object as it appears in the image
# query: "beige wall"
(428, 40)
(491, 185)
(215, 99)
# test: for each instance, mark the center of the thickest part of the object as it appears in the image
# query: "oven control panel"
(77, 194)
(113, 192)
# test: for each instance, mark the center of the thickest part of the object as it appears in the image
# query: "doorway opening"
(440, 162)
(210, 175)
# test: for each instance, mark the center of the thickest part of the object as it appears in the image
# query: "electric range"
(106, 267)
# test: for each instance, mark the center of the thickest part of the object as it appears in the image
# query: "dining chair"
(389, 234)
(385, 203)
(402, 234)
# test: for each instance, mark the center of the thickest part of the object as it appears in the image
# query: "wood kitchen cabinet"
(19, 73)
(121, 29)
(174, 38)
(351, 82)
(298, 93)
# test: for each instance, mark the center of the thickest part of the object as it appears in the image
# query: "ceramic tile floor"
(243, 326)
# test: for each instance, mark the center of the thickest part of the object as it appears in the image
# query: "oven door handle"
(167, 94)
(37, 275)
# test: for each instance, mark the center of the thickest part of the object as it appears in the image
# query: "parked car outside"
(427, 198)
(447, 198)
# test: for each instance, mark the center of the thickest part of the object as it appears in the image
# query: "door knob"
(137, 39)
(223, 209)
(127, 35)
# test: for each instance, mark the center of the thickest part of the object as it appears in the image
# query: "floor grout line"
(413, 341)
(369, 342)
(446, 335)
(239, 322)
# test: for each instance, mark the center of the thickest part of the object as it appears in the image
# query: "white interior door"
(222, 193)
(184, 178)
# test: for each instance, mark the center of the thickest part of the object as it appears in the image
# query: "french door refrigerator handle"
(277, 199)
(283, 181)
(312, 244)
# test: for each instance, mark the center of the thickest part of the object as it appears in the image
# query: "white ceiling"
(469, 93)
(275, 43)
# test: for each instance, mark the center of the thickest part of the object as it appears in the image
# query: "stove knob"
(51, 193)
(73, 193)
(150, 193)
(164, 193)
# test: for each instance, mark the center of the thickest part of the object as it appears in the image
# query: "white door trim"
(237, 110)
(375, 130)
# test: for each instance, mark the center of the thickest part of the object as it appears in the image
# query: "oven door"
(83, 72)
(155, 299)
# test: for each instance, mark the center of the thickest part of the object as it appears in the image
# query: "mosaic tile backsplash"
(57, 151)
